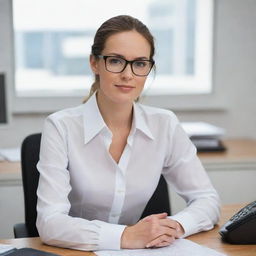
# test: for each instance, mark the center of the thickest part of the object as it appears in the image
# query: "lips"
(124, 86)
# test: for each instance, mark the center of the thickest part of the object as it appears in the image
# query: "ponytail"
(94, 88)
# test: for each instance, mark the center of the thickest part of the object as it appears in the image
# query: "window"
(53, 41)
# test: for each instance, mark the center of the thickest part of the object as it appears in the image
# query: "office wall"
(234, 77)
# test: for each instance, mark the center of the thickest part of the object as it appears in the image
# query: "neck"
(115, 115)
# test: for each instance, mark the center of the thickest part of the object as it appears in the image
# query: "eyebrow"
(122, 56)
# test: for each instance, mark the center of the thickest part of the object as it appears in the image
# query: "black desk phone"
(241, 228)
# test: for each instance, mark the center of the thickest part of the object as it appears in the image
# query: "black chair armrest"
(20, 230)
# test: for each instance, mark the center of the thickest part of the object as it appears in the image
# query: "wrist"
(125, 239)
(180, 230)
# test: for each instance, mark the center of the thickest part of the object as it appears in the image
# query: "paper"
(10, 154)
(181, 247)
(202, 129)
(5, 248)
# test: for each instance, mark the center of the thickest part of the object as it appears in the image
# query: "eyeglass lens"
(117, 65)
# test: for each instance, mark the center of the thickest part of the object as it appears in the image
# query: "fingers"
(176, 229)
(165, 231)
(161, 241)
(160, 225)
(165, 223)
(168, 223)
(158, 216)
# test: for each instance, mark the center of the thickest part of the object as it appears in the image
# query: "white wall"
(234, 77)
(234, 68)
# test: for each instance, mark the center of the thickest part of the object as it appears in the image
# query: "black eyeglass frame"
(105, 57)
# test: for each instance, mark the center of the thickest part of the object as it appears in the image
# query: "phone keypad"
(243, 212)
(246, 211)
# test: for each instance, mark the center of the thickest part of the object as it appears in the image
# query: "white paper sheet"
(5, 248)
(181, 247)
(10, 154)
(202, 130)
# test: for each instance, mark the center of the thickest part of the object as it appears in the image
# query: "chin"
(121, 97)
(124, 99)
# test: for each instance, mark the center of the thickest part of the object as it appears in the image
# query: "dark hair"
(115, 25)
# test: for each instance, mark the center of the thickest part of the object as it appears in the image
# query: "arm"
(54, 224)
(185, 173)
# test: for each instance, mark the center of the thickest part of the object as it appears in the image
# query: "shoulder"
(66, 118)
(64, 121)
(68, 113)
(158, 113)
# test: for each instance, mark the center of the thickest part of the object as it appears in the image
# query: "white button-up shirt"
(86, 199)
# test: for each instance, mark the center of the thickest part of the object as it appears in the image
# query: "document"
(6, 249)
(10, 154)
(202, 130)
(181, 247)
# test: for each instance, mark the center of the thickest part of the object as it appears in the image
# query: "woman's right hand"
(152, 227)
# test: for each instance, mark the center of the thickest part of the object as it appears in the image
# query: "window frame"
(46, 104)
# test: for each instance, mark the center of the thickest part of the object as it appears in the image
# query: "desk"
(210, 239)
(238, 150)
(10, 173)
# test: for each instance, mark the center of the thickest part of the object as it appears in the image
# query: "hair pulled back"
(113, 26)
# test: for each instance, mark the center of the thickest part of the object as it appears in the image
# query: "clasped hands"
(153, 231)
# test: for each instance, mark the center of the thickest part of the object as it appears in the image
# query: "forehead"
(129, 44)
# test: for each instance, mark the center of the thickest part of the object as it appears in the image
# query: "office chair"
(29, 157)
(159, 202)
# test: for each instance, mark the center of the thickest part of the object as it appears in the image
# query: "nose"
(127, 72)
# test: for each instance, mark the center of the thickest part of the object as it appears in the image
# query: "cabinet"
(11, 198)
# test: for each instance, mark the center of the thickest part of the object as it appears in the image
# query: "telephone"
(241, 228)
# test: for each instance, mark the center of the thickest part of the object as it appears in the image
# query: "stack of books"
(206, 137)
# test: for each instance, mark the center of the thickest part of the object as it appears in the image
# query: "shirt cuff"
(110, 236)
(188, 223)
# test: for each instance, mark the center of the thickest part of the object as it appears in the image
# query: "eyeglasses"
(117, 64)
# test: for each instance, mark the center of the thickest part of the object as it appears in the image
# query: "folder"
(27, 252)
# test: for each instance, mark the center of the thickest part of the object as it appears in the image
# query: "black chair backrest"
(158, 203)
(29, 157)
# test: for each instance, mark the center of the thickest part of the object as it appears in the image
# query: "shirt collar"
(93, 121)
(140, 121)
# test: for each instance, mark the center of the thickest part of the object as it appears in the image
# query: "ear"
(94, 64)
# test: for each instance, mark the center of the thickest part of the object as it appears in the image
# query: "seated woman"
(100, 162)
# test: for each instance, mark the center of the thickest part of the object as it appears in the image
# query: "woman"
(101, 162)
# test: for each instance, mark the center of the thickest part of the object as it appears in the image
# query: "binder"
(27, 252)
(206, 137)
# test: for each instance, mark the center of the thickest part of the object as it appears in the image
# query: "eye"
(140, 64)
(115, 61)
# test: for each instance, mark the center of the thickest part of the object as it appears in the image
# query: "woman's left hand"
(166, 240)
